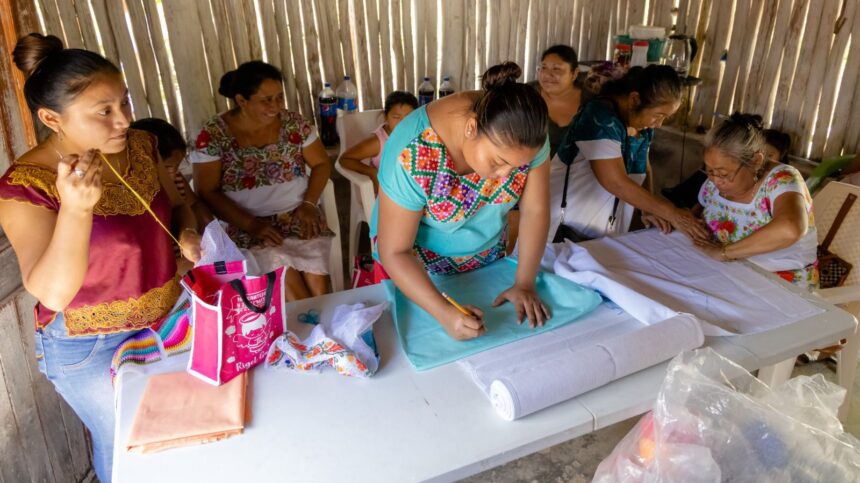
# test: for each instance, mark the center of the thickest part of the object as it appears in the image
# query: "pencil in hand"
(458, 306)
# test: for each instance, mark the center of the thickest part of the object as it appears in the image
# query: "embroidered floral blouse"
(264, 180)
(131, 278)
(730, 221)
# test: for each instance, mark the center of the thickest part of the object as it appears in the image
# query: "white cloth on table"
(731, 298)
(611, 342)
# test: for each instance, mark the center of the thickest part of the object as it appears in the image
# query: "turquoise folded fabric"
(426, 343)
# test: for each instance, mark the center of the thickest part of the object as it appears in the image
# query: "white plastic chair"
(352, 128)
(335, 260)
(827, 203)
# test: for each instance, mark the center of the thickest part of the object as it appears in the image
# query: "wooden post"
(831, 76)
(399, 39)
(17, 122)
(251, 30)
(789, 62)
(163, 60)
(187, 48)
(737, 52)
(409, 56)
(817, 71)
(145, 56)
(361, 46)
(375, 78)
(301, 72)
(286, 51)
(69, 19)
(845, 137)
(131, 68)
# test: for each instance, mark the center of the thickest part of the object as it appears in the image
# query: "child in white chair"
(363, 158)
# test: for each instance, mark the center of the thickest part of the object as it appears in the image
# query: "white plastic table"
(407, 426)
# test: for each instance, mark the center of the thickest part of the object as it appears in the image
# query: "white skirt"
(310, 256)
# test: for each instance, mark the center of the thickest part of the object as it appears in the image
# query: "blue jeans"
(79, 368)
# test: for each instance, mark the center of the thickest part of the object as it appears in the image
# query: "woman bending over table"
(606, 147)
(449, 175)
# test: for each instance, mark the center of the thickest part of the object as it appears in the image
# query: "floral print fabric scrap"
(339, 343)
(289, 352)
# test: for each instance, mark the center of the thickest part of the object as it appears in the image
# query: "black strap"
(625, 155)
(270, 289)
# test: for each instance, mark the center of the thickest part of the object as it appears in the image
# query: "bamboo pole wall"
(796, 62)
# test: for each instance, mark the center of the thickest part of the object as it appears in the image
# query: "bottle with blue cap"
(426, 92)
(346, 95)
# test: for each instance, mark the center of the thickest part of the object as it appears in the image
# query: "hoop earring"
(60, 134)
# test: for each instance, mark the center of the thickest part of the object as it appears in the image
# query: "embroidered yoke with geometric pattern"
(452, 198)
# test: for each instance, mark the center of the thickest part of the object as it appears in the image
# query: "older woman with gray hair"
(755, 208)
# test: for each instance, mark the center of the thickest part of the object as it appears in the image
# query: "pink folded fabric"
(178, 410)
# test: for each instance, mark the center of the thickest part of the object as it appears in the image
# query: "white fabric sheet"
(731, 298)
(611, 342)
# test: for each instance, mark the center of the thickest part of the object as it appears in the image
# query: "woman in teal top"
(604, 157)
(449, 174)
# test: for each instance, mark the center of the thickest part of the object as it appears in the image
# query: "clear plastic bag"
(714, 422)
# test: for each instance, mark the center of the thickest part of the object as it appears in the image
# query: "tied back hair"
(246, 79)
(510, 112)
(656, 84)
(55, 76)
(740, 137)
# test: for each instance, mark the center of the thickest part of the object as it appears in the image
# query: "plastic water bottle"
(426, 92)
(640, 53)
(346, 94)
(445, 89)
(328, 116)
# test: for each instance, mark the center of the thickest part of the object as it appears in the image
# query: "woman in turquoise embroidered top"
(449, 174)
(604, 157)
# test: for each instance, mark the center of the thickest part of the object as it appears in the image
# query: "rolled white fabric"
(563, 375)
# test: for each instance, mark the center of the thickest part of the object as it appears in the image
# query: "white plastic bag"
(713, 422)
(216, 246)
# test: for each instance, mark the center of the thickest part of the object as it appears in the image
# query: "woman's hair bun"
(500, 74)
(34, 48)
(227, 86)
(750, 121)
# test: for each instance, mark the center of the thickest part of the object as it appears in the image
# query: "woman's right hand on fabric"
(79, 181)
(460, 326)
(650, 220)
(685, 221)
(264, 231)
